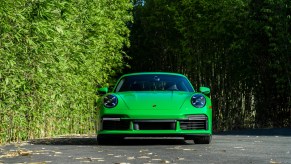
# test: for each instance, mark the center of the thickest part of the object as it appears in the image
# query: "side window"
(120, 84)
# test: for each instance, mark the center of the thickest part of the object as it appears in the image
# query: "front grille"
(154, 125)
(115, 125)
(194, 123)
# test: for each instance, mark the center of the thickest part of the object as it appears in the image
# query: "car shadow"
(259, 132)
(124, 142)
(148, 141)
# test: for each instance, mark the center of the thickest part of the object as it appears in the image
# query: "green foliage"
(53, 54)
(240, 49)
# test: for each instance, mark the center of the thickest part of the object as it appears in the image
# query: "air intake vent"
(154, 125)
(115, 125)
(198, 122)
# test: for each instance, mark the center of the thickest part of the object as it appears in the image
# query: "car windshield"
(154, 82)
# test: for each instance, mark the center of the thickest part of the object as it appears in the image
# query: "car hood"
(147, 100)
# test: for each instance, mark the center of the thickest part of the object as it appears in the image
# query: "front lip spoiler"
(155, 135)
(154, 120)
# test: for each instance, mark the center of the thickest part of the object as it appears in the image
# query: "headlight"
(110, 101)
(198, 101)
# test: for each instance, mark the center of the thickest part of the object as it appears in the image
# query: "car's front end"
(172, 113)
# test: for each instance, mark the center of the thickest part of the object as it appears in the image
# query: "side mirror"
(103, 90)
(204, 90)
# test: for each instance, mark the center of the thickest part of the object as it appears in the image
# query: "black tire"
(101, 140)
(203, 140)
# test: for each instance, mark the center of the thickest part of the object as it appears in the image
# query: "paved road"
(251, 146)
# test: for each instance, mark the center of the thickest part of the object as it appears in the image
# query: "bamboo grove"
(55, 53)
(238, 48)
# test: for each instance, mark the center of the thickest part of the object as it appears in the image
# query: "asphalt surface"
(248, 146)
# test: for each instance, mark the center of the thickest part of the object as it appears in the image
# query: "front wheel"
(102, 140)
(203, 140)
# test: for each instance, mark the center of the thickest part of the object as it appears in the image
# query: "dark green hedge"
(238, 48)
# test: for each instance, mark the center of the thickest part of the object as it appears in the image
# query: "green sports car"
(154, 104)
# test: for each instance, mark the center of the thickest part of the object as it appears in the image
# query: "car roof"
(153, 73)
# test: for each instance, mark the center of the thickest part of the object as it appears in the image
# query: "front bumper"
(192, 125)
